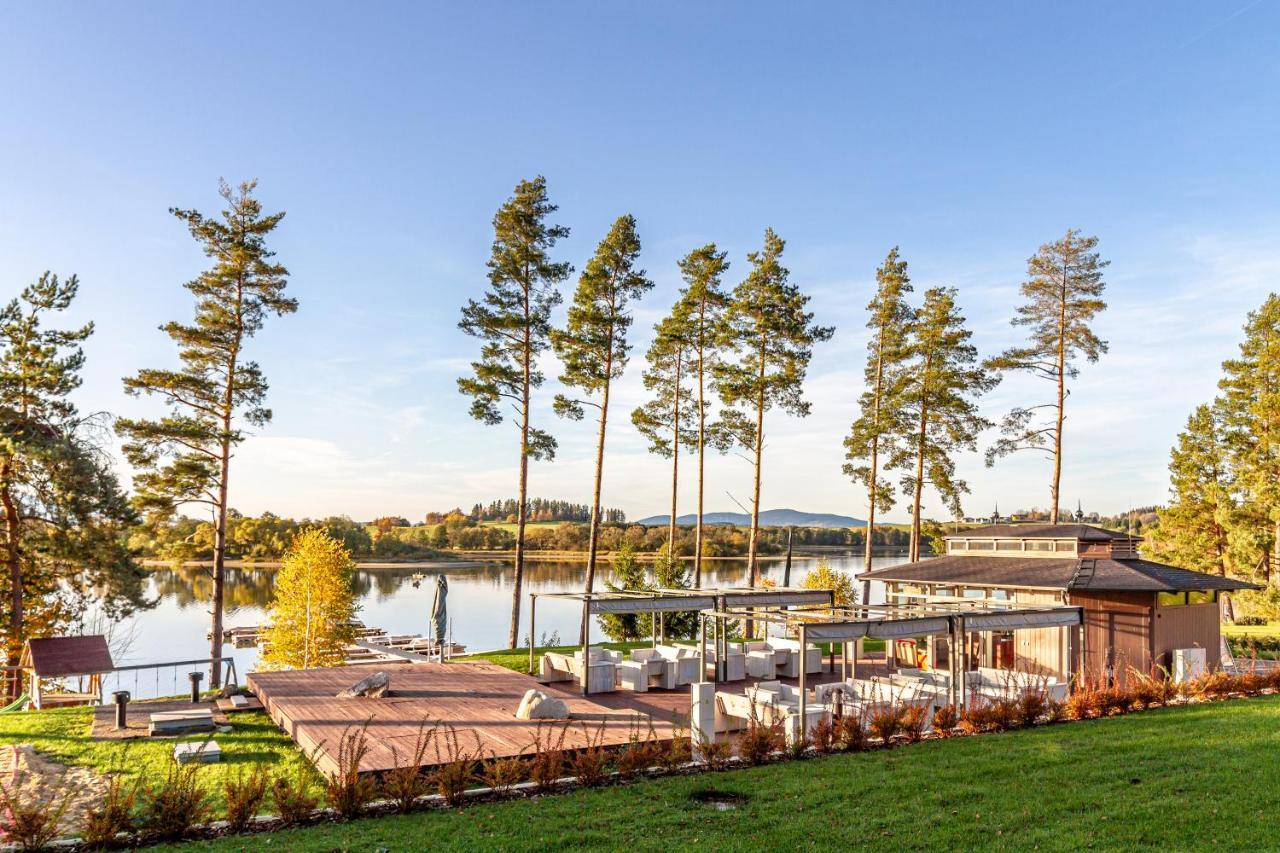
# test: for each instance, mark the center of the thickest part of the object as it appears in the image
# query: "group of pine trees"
(749, 348)
(1224, 512)
(539, 509)
(923, 379)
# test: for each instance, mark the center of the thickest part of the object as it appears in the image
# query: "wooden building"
(1136, 611)
(57, 659)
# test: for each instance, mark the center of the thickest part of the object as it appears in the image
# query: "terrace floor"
(473, 697)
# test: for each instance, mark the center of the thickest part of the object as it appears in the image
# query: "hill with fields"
(768, 518)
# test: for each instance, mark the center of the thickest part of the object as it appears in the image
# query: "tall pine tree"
(1193, 528)
(63, 514)
(666, 419)
(704, 302)
(767, 326)
(1250, 403)
(514, 321)
(184, 457)
(593, 345)
(943, 380)
(880, 409)
(1063, 294)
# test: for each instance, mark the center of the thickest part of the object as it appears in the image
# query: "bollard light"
(196, 678)
(121, 699)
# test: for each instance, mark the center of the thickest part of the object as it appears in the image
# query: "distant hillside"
(768, 518)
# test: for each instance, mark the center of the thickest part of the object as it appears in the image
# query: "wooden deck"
(479, 697)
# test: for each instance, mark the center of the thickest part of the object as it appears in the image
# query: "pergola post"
(533, 604)
(702, 647)
(804, 726)
(586, 645)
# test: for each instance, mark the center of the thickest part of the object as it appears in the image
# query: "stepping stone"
(199, 752)
(178, 722)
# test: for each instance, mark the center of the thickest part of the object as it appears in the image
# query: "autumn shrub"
(1054, 712)
(759, 740)
(1029, 708)
(548, 760)
(824, 734)
(407, 780)
(1115, 699)
(113, 815)
(348, 791)
(714, 753)
(640, 753)
(502, 774)
(245, 793)
(455, 763)
(1085, 703)
(886, 722)
(945, 720)
(28, 820)
(590, 762)
(678, 751)
(915, 718)
(975, 718)
(851, 733)
(172, 806)
(292, 797)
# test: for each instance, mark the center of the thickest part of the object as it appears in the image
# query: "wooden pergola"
(751, 599)
(897, 621)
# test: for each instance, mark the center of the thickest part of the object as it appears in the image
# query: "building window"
(1065, 545)
(982, 545)
(1009, 545)
(1039, 546)
(1201, 596)
(1171, 599)
(957, 545)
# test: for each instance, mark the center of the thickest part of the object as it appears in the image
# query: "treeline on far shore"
(267, 536)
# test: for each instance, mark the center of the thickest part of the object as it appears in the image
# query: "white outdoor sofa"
(735, 661)
(769, 701)
(791, 648)
(762, 660)
(997, 684)
(602, 669)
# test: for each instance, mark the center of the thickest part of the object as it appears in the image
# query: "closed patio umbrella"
(440, 612)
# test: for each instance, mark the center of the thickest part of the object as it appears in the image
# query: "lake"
(479, 607)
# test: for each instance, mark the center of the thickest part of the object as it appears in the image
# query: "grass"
(63, 735)
(1175, 778)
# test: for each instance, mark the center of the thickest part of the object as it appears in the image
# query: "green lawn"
(1178, 778)
(254, 744)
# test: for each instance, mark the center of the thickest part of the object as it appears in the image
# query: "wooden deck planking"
(472, 697)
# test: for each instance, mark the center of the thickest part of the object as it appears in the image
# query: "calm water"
(479, 607)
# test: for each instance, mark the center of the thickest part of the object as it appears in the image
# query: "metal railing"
(177, 666)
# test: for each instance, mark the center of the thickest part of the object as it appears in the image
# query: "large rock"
(537, 705)
(374, 687)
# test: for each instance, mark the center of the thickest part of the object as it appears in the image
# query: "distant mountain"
(768, 518)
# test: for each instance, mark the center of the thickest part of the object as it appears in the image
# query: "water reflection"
(479, 601)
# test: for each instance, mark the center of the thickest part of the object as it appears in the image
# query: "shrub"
(455, 764)
(1084, 703)
(714, 753)
(914, 720)
(1004, 715)
(1054, 712)
(851, 734)
(245, 794)
(173, 806)
(1251, 620)
(407, 780)
(502, 774)
(679, 750)
(112, 816)
(824, 734)
(975, 718)
(1030, 706)
(590, 762)
(1116, 700)
(945, 720)
(28, 821)
(886, 722)
(638, 754)
(548, 756)
(759, 740)
(348, 791)
(293, 799)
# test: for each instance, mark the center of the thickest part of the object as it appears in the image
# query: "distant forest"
(540, 509)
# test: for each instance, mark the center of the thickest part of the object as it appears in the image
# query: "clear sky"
(967, 134)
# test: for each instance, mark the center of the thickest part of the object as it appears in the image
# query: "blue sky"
(390, 132)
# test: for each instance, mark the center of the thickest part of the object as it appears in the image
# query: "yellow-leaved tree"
(313, 605)
(822, 576)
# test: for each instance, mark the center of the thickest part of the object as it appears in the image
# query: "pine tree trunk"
(872, 482)
(593, 541)
(675, 467)
(914, 553)
(753, 566)
(513, 634)
(702, 467)
(1062, 396)
(13, 567)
